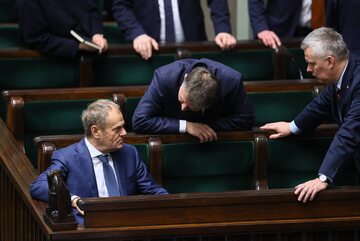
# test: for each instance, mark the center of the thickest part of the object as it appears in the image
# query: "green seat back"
(130, 106)
(36, 73)
(9, 36)
(143, 150)
(113, 33)
(278, 106)
(127, 70)
(298, 61)
(57, 117)
(252, 64)
(7, 11)
(208, 167)
(293, 161)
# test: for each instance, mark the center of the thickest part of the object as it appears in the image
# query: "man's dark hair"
(202, 88)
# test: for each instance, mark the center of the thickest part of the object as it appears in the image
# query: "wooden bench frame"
(183, 50)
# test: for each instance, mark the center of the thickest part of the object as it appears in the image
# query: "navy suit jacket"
(279, 16)
(76, 165)
(159, 111)
(346, 143)
(45, 24)
(136, 17)
(344, 17)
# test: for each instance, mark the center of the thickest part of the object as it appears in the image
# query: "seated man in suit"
(45, 26)
(194, 96)
(328, 60)
(87, 172)
(148, 22)
(279, 19)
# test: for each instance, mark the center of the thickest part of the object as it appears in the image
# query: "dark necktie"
(109, 176)
(169, 22)
(337, 93)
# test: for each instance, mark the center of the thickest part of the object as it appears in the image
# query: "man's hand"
(143, 44)
(201, 131)
(225, 41)
(282, 129)
(101, 41)
(74, 205)
(308, 190)
(269, 38)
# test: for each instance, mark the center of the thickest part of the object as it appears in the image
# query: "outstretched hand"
(281, 128)
(201, 131)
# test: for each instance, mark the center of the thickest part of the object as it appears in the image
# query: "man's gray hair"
(96, 113)
(326, 42)
(202, 88)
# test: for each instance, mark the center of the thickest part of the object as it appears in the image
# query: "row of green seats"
(237, 161)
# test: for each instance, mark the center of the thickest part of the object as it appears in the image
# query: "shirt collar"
(92, 150)
(338, 85)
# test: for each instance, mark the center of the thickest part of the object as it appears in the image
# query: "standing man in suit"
(279, 19)
(194, 96)
(45, 26)
(148, 22)
(86, 170)
(344, 17)
(328, 60)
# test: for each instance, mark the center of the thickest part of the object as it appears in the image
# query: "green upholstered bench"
(252, 64)
(279, 106)
(36, 72)
(9, 35)
(189, 166)
(112, 70)
(7, 11)
(295, 160)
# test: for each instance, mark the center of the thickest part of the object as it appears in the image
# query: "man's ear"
(330, 61)
(95, 131)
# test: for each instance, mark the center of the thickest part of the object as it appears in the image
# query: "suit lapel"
(344, 101)
(86, 166)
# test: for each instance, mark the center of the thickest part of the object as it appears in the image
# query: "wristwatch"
(323, 178)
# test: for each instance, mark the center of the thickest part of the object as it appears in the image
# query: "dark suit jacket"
(346, 143)
(45, 24)
(76, 165)
(279, 16)
(344, 17)
(159, 110)
(136, 17)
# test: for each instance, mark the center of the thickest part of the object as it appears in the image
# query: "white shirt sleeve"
(293, 128)
(182, 126)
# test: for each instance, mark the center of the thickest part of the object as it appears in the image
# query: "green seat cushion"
(127, 70)
(252, 64)
(278, 106)
(208, 167)
(294, 161)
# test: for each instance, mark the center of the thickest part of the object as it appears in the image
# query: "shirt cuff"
(73, 197)
(293, 128)
(182, 126)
